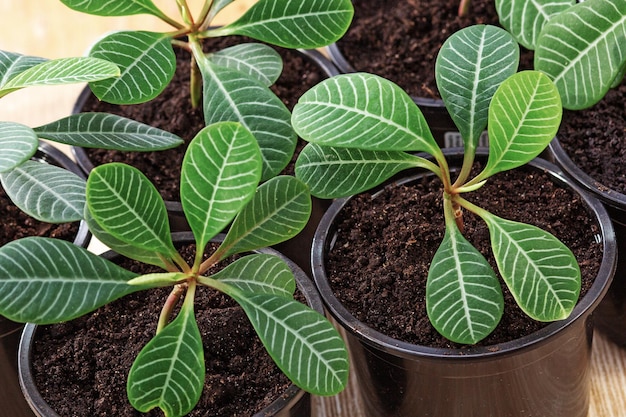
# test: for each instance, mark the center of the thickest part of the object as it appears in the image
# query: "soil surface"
(400, 40)
(380, 260)
(172, 111)
(81, 366)
(595, 139)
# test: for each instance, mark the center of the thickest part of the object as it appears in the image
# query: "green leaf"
(46, 192)
(169, 371)
(45, 280)
(279, 210)
(463, 296)
(113, 7)
(524, 116)
(231, 96)
(107, 131)
(12, 64)
(339, 172)
(540, 271)
(220, 173)
(18, 143)
(525, 19)
(61, 71)
(362, 111)
(120, 247)
(126, 204)
(583, 50)
(304, 345)
(471, 64)
(293, 24)
(216, 7)
(256, 60)
(258, 274)
(147, 62)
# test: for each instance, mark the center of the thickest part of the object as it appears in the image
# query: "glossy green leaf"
(255, 60)
(463, 296)
(107, 131)
(293, 24)
(120, 247)
(45, 280)
(339, 172)
(62, 71)
(304, 345)
(258, 274)
(540, 271)
(362, 111)
(471, 64)
(279, 210)
(126, 204)
(113, 7)
(220, 173)
(147, 62)
(18, 143)
(524, 116)
(217, 7)
(169, 371)
(12, 64)
(46, 192)
(230, 95)
(525, 19)
(583, 50)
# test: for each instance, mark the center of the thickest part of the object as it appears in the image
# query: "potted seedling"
(220, 177)
(363, 129)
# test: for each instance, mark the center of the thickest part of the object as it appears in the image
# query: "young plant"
(233, 82)
(47, 281)
(18, 143)
(363, 129)
(580, 46)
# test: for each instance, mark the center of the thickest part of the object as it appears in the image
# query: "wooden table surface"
(42, 28)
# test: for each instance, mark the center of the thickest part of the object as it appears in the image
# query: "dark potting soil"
(81, 366)
(172, 111)
(379, 263)
(595, 139)
(400, 39)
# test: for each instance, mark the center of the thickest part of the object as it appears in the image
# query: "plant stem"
(185, 12)
(170, 304)
(464, 6)
(203, 18)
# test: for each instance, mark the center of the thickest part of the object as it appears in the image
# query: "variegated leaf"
(46, 192)
(540, 271)
(107, 131)
(293, 24)
(279, 210)
(12, 64)
(304, 345)
(128, 206)
(113, 7)
(62, 71)
(471, 64)
(18, 143)
(256, 60)
(258, 274)
(147, 62)
(339, 172)
(524, 116)
(169, 371)
(525, 19)
(231, 96)
(220, 173)
(583, 50)
(45, 280)
(463, 296)
(362, 111)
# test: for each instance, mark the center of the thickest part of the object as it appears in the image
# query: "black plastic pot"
(294, 402)
(12, 402)
(610, 316)
(544, 374)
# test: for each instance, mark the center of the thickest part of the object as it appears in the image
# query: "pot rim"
(287, 398)
(601, 191)
(374, 338)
